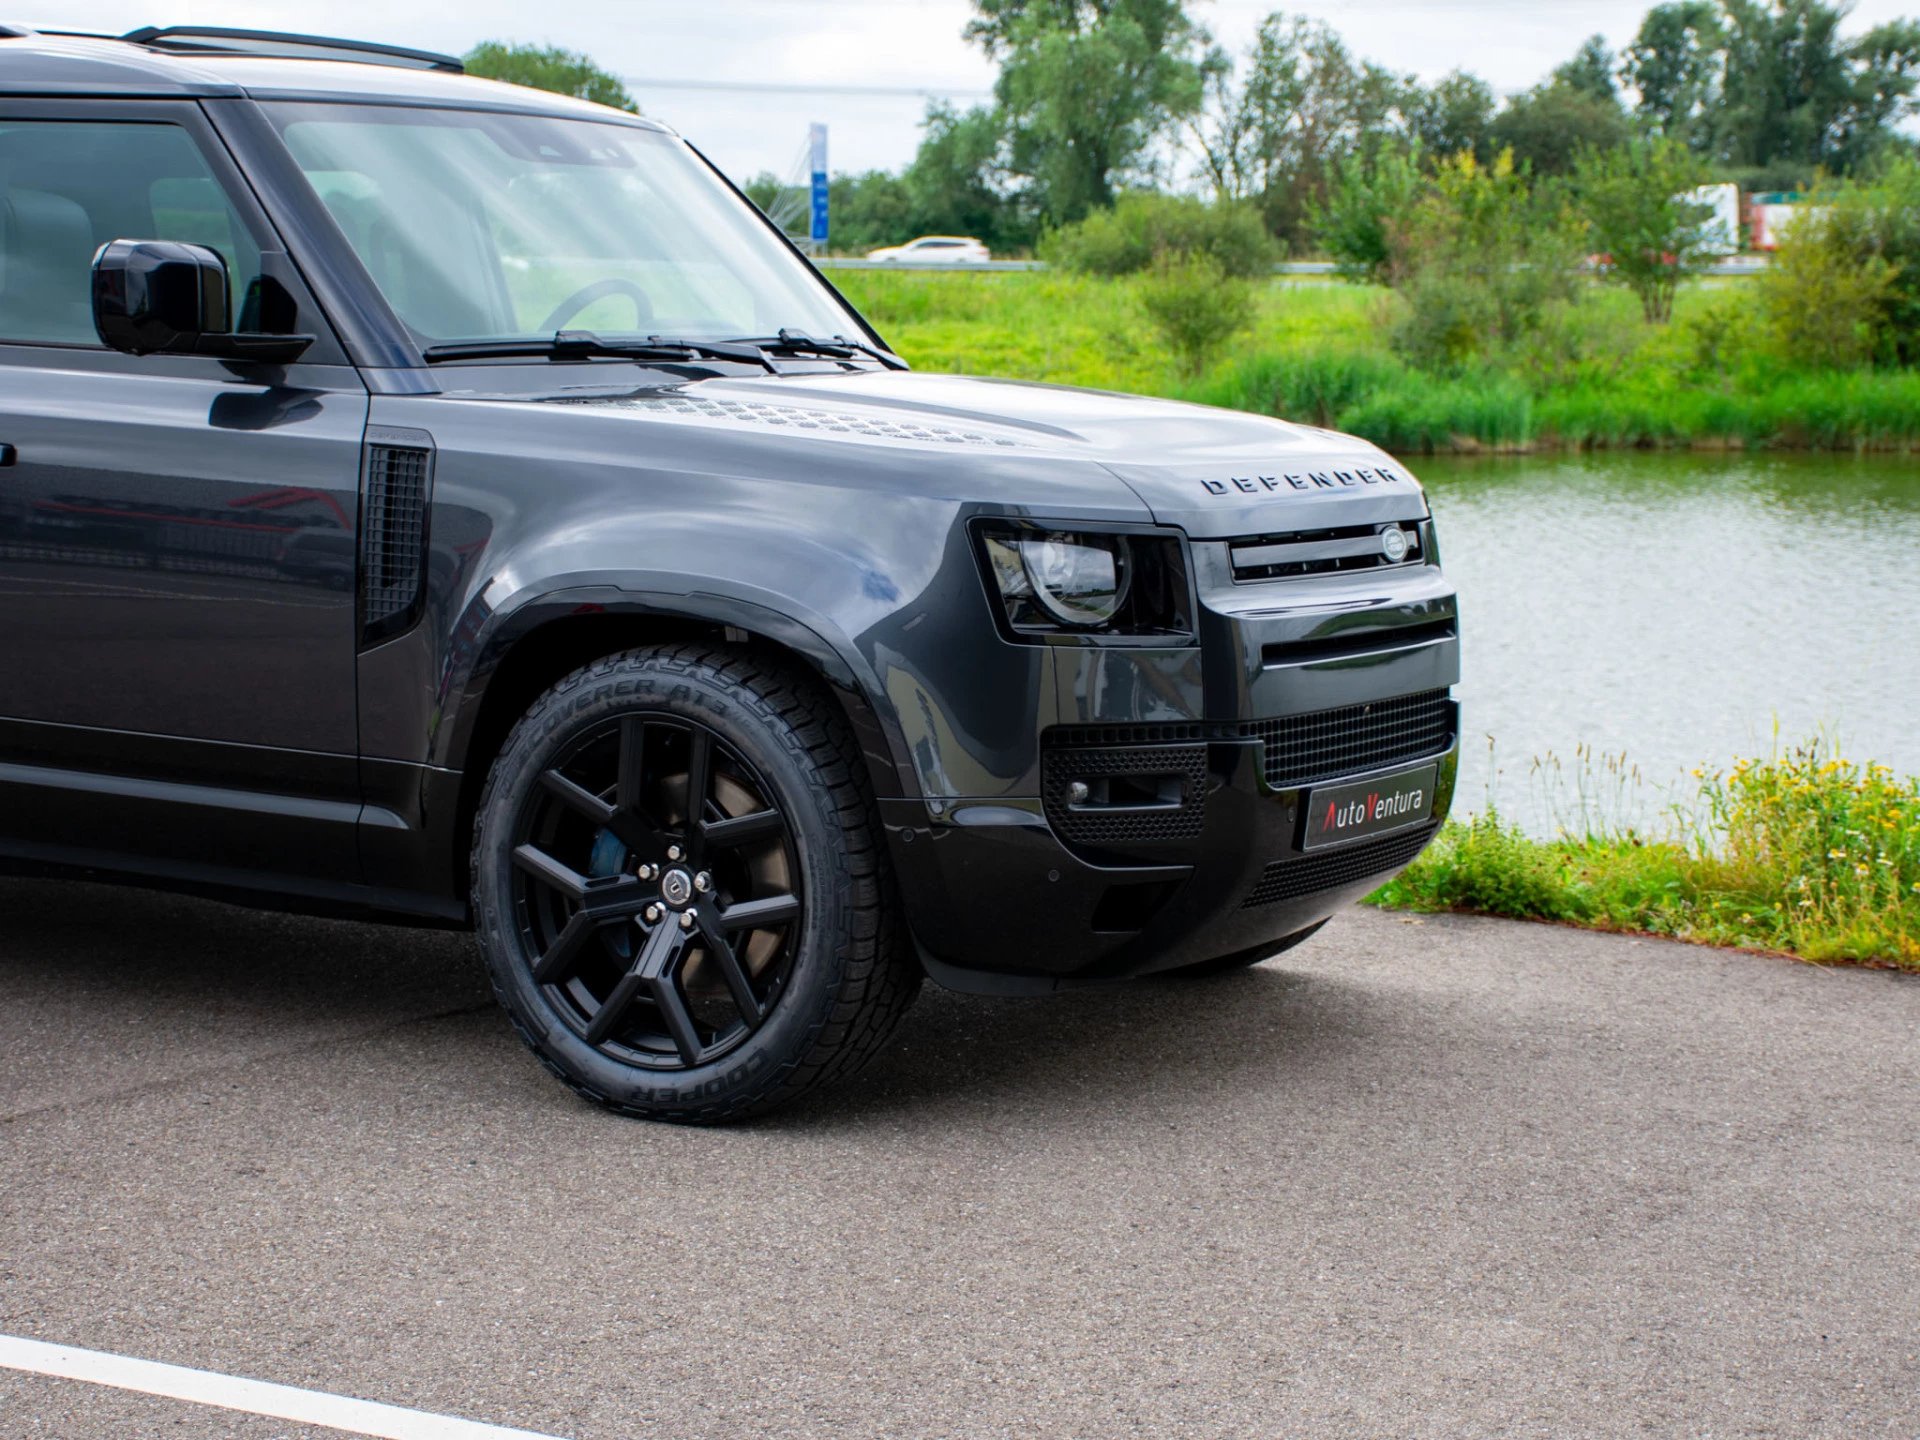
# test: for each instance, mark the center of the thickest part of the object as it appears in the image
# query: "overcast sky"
(742, 78)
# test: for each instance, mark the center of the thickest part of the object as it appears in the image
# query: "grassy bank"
(1599, 376)
(1804, 854)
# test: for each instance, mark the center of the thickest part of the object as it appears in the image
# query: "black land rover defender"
(427, 498)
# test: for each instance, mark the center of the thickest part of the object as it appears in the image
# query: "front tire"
(678, 887)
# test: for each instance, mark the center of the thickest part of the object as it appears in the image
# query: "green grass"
(1319, 353)
(1805, 854)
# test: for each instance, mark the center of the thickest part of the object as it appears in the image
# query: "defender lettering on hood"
(1311, 480)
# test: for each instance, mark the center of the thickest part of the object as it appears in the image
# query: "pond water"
(1679, 610)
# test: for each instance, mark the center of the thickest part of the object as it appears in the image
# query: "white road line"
(256, 1397)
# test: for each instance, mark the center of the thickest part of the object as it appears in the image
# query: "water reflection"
(1676, 606)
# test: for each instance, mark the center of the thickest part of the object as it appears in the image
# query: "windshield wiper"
(585, 345)
(799, 342)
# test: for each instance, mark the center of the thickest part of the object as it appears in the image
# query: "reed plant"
(1804, 853)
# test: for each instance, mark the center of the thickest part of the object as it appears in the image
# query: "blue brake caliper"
(609, 856)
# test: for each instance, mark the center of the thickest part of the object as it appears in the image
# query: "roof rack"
(215, 40)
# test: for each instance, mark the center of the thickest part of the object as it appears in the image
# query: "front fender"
(495, 631)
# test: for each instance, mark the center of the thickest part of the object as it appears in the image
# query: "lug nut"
(646, 872)
(703, 882)
(673, 852)
(686, 919)
(654, 912)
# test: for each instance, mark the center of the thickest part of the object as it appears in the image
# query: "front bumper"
(1304, 686)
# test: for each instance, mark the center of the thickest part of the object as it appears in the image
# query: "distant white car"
(938, 249)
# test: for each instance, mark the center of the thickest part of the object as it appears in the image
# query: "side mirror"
(166, 297)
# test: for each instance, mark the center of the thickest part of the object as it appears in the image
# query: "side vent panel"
(396, 490)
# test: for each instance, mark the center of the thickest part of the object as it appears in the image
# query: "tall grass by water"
(1597, 377)
(1804, 853)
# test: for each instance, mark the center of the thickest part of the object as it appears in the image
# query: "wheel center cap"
(676, 888)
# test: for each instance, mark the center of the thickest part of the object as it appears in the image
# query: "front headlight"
(1075, 580)
(1079, 580)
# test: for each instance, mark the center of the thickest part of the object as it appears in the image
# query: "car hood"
(1212, 472)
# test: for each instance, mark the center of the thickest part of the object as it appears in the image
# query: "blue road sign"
(817, 147)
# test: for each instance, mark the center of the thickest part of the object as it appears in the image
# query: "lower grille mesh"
(1302, 749)
(1355, 738)
(1310, 874)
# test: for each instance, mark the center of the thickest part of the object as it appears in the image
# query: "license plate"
(1354, 811)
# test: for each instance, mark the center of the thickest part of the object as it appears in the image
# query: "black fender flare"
(486, 634)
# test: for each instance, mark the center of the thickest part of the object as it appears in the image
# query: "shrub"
(1844, 288)
(1828, 849)
(1827, 297)
(1718, 335)
(1126, 239)
(1479, 260)
(1195, 305)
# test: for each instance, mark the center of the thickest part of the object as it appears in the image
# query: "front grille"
(1311, 874)
(1302, 749)
(1355, 738)
(1180, 819)
(1322, 552)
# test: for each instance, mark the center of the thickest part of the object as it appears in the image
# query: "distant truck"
(1771, 214)
(1720, 228)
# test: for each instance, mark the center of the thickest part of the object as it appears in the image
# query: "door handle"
(7, 456)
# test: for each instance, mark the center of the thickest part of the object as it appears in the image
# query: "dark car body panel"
(193, 695)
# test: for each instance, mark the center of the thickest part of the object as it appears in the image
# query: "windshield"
(481, 226)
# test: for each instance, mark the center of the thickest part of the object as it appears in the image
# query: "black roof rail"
(218, 40)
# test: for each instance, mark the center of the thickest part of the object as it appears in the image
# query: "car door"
(177, 533)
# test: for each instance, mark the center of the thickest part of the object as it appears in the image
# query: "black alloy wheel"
(679, 889)
(655, 881)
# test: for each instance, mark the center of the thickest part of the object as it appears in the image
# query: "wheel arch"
(540, 639)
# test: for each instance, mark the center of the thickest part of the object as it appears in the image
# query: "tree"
(1674, 66)
(1794, 90)
(1765, 84)
(564, 72)
(1086, 87)
(869, 210)
(1634, 200)
(958, 182)
(1785, 78)
(1548, 126)
(1304, 106)
(1590, 71)
(1366, 197)
(1453, 117)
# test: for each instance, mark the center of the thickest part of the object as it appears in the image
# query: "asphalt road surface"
(1442, 1177)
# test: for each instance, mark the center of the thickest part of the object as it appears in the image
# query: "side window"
(67, 187)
